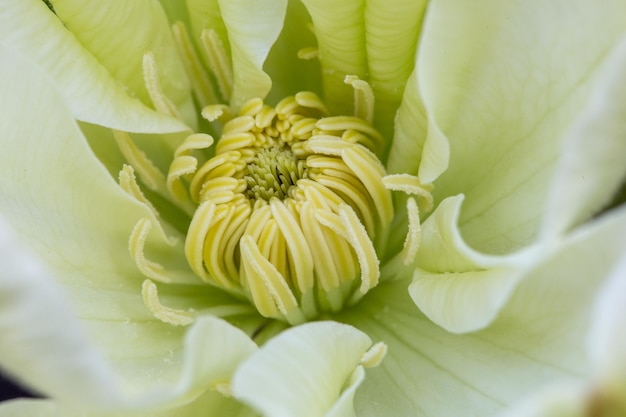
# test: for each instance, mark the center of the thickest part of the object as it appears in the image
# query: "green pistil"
(272, 173)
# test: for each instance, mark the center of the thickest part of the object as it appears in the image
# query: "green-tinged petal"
(592, 167)
(455, 286)
(604, 392)
(309, 370)
(71, 214)
(56, 358)
(536, 341)
(209, 404)
(206, 15)
(340, 31)
(290, 74)
(391, 33)
(409, 140)
(90, 91)
(567, 400)
(253, 27)
(502, 88)
(607, 338)
(108, 30)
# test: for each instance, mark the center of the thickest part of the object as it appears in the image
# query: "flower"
(515, 109)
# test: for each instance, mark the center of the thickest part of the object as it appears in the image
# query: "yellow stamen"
(287, 208)
(202, 86)
(151, 80)
(168, 315)
(219, 61)
(374, 355)
(150, 175)
(363, 98)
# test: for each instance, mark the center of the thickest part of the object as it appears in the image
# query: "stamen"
(287, 207)
(150, 269)
(183, 165)
(414, 234)
(201, 84)
(168, 315)
(374, 355)
(151, 80)
(214, 112)
(411, 185)
(128, 182)
(296, 244)
(311, 101)
(341, 123)
(308, 53)
(219, 62)
(363, 98)
(260, 271)
(150, 175)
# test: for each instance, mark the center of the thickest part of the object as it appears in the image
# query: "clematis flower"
(317, 208)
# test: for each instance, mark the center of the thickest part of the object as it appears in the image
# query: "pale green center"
(272, 173)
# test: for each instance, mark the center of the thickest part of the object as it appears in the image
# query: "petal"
(71, 214)
(340, 31)
(109, 32)
(592, 169)
(253, 27)
(407, 152)
(391, 32)
(290, 74)
(309, 370)
(607, 338)
(558, 401)
(210, 404)
(90, 91)
(58, 343)
(501, 81)
(456, 287)
(536, 341)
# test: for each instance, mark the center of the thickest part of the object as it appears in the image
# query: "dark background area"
(9, 389)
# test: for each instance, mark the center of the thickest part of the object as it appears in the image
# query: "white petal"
(42, 342)
(536, 341)
(89, 90)
(501, 82)
(340, 31)
(305, 371)
(592, 167)
(607, 339)
(210, 404)
(109, 31)
(456, 287)
(253, 27)
(76, 220)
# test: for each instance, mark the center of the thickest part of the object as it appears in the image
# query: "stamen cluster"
(288, 208)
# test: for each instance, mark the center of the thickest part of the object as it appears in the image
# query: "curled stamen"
(308, 53)
(151, 269)
(374, 355)
(363, 98)
(168, 315)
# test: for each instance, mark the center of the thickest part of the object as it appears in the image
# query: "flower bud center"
(272, 173)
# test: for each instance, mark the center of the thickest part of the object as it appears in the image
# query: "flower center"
(288, 209)
(272, 173)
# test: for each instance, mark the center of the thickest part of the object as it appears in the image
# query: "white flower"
(514, 109)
